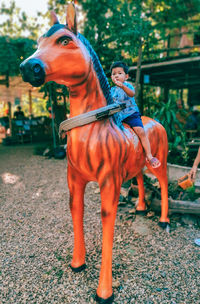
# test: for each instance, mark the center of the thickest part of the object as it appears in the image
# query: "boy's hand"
(118, 83)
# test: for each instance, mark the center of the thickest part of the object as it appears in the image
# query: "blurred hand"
(192, 173)
(118, 83)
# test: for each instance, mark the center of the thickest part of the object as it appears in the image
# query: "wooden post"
(52, 116)
(141, 103)
(181, 97)
(10, 117)
(166, 94)
(30, 102)
(65, 106)
(137, 81)
(168, 45)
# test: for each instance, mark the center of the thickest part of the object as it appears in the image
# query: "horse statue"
(104, 150)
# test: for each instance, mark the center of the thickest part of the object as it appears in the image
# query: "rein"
(87, 118)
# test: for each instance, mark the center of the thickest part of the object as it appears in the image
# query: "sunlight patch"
(9, 178)
(37, 194)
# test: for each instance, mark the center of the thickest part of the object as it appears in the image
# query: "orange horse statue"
(103, 151)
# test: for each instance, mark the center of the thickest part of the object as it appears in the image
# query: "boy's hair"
(119, 64)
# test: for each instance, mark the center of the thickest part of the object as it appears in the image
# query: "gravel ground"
(149, 265)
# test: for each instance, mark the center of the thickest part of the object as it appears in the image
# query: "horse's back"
(158, 141)
(151, 126)
(150, 122)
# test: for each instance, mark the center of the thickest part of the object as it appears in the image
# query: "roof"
(175, 73)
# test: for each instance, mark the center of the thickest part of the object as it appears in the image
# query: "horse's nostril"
(37, 68)
(33, 71)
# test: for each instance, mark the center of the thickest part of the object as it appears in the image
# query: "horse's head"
(60, 57)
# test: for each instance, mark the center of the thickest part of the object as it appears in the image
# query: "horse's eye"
(65, 41)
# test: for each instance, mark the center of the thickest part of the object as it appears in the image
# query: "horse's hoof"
(141, 212)
(78, 269)
(104, 301)
(164, 225)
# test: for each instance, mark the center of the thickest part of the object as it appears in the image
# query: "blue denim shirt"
(119, 95)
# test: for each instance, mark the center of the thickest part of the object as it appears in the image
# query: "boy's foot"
(154, 162)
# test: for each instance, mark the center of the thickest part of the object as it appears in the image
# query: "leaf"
(169, 120)
(177, 140)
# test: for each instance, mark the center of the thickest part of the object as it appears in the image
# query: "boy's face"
(118, 74)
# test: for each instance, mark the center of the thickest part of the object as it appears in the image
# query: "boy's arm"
(130, 92)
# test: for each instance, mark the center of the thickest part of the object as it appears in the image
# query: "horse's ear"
(54, 18)
(71, 18)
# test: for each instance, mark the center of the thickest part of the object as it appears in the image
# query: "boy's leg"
(154, 162)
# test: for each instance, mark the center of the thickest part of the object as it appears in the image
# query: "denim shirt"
(119, 95)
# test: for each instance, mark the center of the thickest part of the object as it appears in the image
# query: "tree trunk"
(137, 81)
(30, 102)
(176, 206)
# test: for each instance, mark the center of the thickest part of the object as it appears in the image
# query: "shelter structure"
(175, 65)
(12, 93)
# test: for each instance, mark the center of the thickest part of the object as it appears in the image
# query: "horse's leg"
(77, 187)
(163, 180)
(109, 200)
(141, 207)
(161, 174)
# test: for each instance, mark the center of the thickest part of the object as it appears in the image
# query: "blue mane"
(101, 76)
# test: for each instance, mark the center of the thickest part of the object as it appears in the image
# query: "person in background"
(193, 171)
(19, 114)
(124, 92)
(192, 175)
(192, 121)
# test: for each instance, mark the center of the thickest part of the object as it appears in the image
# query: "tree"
(12, 52)
(119, 30)
(16, 23)
(14, 48)
(123, 29)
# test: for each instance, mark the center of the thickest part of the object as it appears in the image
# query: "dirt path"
(149, 265)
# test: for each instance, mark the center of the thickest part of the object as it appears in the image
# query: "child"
(124, 92)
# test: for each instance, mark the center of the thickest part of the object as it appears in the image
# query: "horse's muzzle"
(33, 71)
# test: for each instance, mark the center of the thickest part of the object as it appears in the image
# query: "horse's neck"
(87, 96)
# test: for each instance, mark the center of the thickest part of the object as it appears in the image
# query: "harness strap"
(86, 118)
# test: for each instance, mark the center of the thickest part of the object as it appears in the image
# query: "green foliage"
(38, 107)
(12, 52)
(192, 193)
(164, 15)
(174, 190)
(115, 27)
(16, 23)
(166, 115)
(59, 94)
(57, 100)
(15, 48)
